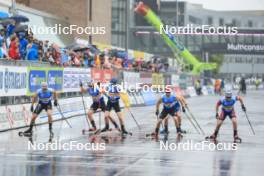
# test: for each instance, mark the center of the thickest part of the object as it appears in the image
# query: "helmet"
(228, 93)
(113, 81)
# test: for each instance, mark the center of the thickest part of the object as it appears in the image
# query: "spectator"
(22, 45)
(64, 58)
(3, 52)
(32, 52)
(40, 50)
(14, 48)
(56, 55)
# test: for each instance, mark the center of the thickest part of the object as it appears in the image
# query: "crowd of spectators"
(22, 45)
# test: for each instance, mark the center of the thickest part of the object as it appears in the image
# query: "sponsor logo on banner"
(157, 79)
(55, 79)
(191, 91)
(102, 75)
(35, 77)
(72, 78)
(13, 81)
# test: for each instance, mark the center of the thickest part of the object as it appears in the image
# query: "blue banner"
(149, 98)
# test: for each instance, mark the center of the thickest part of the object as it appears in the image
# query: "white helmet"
(228, 93)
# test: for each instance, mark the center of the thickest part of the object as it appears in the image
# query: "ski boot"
(51, 133)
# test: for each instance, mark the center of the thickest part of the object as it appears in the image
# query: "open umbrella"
(3, 15)
(21, 28)
(20, 18)
(6, 21)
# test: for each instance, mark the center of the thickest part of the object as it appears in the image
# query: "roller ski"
(91, 130)
(124, 133)
(27, 133)
(153, 135)
(105, 129)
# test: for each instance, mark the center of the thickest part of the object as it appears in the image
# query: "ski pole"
(62, 116)
(192, 123)
(194, 119)
(84, 107)
(249, 123)
(134, 118)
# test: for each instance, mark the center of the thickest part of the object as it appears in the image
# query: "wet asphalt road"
(137, 155)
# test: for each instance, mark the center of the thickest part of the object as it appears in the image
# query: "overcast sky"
(230, 4)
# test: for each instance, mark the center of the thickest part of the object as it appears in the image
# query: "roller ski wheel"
(211, 138)
(91, 130)
(237, 139)
(125, 133)
(179, 136)
(25, 134)
(183, 131)
(152, 135)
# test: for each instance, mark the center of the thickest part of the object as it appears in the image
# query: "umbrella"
(21, 28)
(20, 18)
(3, 15)
(6, 22)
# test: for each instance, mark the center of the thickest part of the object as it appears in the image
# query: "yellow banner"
(157, 79)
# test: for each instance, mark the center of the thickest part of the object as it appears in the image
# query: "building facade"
(83, 13)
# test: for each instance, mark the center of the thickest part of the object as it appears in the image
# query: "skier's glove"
(183, 109)
(55, 103)
(243, 108)
(216, 115)
(32, 108)
(157, 112)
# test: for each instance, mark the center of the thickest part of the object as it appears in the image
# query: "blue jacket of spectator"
(64, 56)
(10, 30)
(22, 45)
(33, 53)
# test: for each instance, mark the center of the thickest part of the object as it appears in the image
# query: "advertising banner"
(101, 75)
(149, 98)
(55, 78)
(13, 81)
(146, 78)
(175, 80)
(131, 79)
(72, 78)
(36, 75)
(157, 79)
(4, 121)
